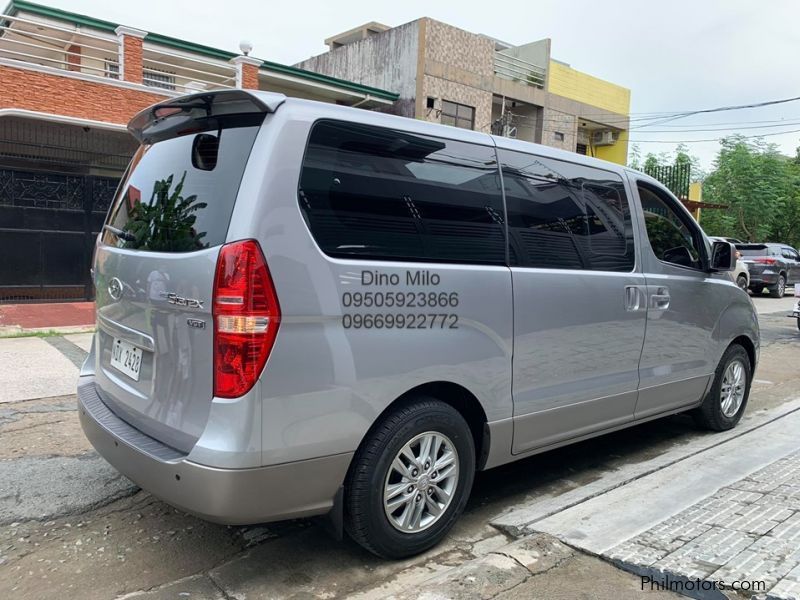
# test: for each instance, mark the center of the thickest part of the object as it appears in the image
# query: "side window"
(672, 239)
(564, 215)
(370, 192)
(790, 254)
(458, 115)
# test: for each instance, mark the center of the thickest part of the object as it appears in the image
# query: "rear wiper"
(121, 234)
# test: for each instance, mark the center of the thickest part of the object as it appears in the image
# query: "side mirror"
(723, 256)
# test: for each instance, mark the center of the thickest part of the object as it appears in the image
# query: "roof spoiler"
(178, 115)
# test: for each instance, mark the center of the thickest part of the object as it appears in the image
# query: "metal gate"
(675, 177)
(48, 225)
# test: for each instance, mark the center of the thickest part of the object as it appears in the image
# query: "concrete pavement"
(40, 367)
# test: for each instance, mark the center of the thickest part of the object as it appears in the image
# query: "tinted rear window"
(179, 193)
(371, 192)
(752, 250)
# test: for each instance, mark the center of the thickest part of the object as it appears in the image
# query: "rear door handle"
(660, 300)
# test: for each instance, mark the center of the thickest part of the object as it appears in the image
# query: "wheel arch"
(746, 343)
(457, 396)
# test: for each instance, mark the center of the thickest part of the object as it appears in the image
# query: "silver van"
(308, 309)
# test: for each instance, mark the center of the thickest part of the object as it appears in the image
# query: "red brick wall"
(73, 61)
(132, 69)
(250, 77)
(42, 92)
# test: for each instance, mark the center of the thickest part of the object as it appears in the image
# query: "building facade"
(448, 75)
(69, 83)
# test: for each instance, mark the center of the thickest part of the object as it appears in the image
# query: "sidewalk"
(41, 367)
(723, 509)
(64, 317)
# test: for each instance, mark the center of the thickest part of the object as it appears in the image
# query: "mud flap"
(333, 522)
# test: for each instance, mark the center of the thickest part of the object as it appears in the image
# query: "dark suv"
(771, 266)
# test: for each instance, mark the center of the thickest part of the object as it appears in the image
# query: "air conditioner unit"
(604, 138)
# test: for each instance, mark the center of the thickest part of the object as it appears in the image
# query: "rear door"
(579, 311)
(154, 272)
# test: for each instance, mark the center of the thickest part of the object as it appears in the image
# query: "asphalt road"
(70, 525)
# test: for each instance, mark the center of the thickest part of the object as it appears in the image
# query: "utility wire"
(791, 124)
(746, 137)
(657, 118)
(783, 120)
(725, 108)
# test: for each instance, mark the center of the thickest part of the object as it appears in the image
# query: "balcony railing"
(172, 71)
(41, 43)
(35, 42)
(521, 71)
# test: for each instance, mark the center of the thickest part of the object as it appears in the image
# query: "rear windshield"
(753, 250)
(179, 193)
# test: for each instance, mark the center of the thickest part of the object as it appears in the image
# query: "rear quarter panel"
(324, 385)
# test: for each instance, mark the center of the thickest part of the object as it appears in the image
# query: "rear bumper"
(762, 279)
(229, 496)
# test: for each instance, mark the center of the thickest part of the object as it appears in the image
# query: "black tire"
(741, 281)
(710, 414)
(779, 289)
(798, 323)
(366, 520)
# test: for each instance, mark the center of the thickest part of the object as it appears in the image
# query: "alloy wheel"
(421, 482)
(734, 383)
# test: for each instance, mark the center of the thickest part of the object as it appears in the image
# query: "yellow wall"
(696, 193)
(617, 153)
(566, 81)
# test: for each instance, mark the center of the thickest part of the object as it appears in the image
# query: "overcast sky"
(674, 56)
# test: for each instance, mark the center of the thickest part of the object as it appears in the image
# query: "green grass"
(39, 334)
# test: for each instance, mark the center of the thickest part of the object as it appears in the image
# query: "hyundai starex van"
(308, 309)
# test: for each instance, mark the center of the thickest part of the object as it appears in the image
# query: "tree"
(635, 161)
(760, 188)
(166, 223)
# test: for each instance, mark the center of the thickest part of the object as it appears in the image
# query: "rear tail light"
(246, 318)
(764, 260)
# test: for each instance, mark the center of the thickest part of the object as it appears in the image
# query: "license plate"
(126, 358)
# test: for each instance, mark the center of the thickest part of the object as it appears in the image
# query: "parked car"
(330, 327)
(796, 310)
(771, 266)
(740, 275)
